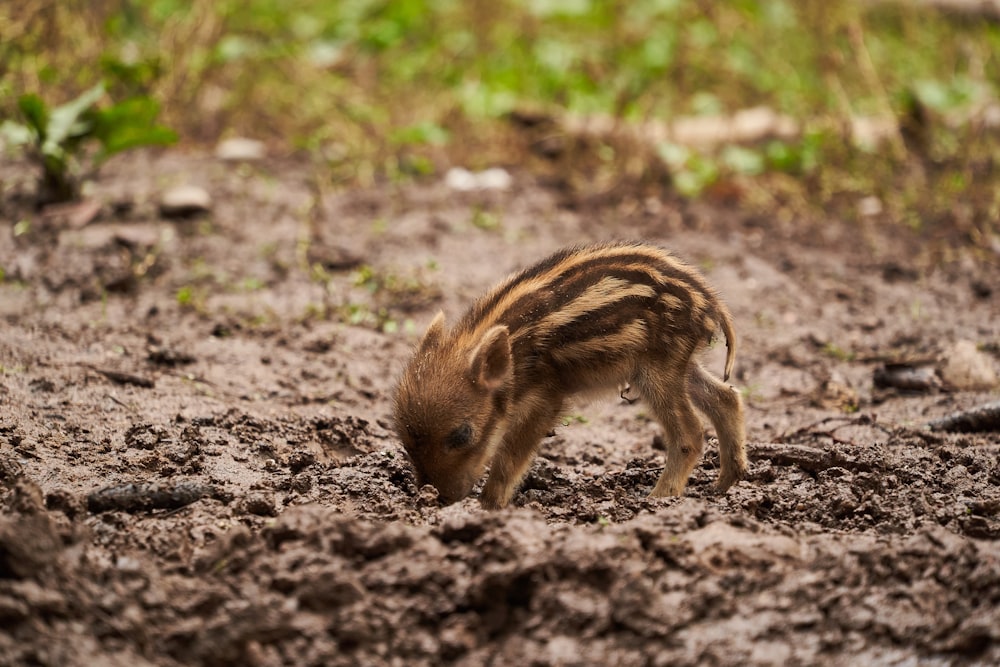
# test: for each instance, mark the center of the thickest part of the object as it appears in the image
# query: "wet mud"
(197, 465)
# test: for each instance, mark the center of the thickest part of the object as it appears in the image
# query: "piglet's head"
(450, 408)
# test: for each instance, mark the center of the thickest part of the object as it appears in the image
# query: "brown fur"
(586, 318)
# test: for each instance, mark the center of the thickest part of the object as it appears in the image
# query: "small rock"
(494, 179)
(869, 207)
(963, 366)
(464, 180)
(240, 149)
(184, 201)
(906, 377)
(460, 179)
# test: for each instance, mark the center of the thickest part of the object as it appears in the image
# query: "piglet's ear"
(490, 363)
(434, 334)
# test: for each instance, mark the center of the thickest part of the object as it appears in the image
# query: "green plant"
(834, 351)
(393, 288)
(56, 138)
(252, 284)
(485, 220)
(192, 298)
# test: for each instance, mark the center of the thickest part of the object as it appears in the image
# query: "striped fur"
(585, 318)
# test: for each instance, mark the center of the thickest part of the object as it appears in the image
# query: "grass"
(398, 89)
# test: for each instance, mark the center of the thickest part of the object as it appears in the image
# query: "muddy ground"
(197, 466)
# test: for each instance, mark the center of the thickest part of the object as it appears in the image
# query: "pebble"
(869, 207)
(184, 201)
(240, 149)
(964, 366)
(464, 180)
(906, 377)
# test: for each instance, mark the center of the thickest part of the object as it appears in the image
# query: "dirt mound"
(683, 585)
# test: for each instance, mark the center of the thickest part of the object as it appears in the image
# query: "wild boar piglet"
(485, 393)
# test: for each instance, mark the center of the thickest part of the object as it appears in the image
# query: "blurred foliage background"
(399, 89)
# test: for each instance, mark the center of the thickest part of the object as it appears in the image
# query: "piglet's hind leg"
(682, 432)
(724, 408)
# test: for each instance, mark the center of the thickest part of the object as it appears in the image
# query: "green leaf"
(421, 133)
(129, 124)
(185, 295)
(16, 134)
(944, 96)
(133, 137)
(743, 160)
(139, 110)
(35, 112)
(232, 48)
(69, 120)
(673, 155)
(135, 76)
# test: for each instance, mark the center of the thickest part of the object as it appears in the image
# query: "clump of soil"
(197, 468)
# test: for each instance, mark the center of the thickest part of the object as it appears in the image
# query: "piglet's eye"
(460, 437)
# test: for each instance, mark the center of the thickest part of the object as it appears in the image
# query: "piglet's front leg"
(517, 451)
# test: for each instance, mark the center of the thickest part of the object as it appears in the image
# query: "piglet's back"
(589, 306)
